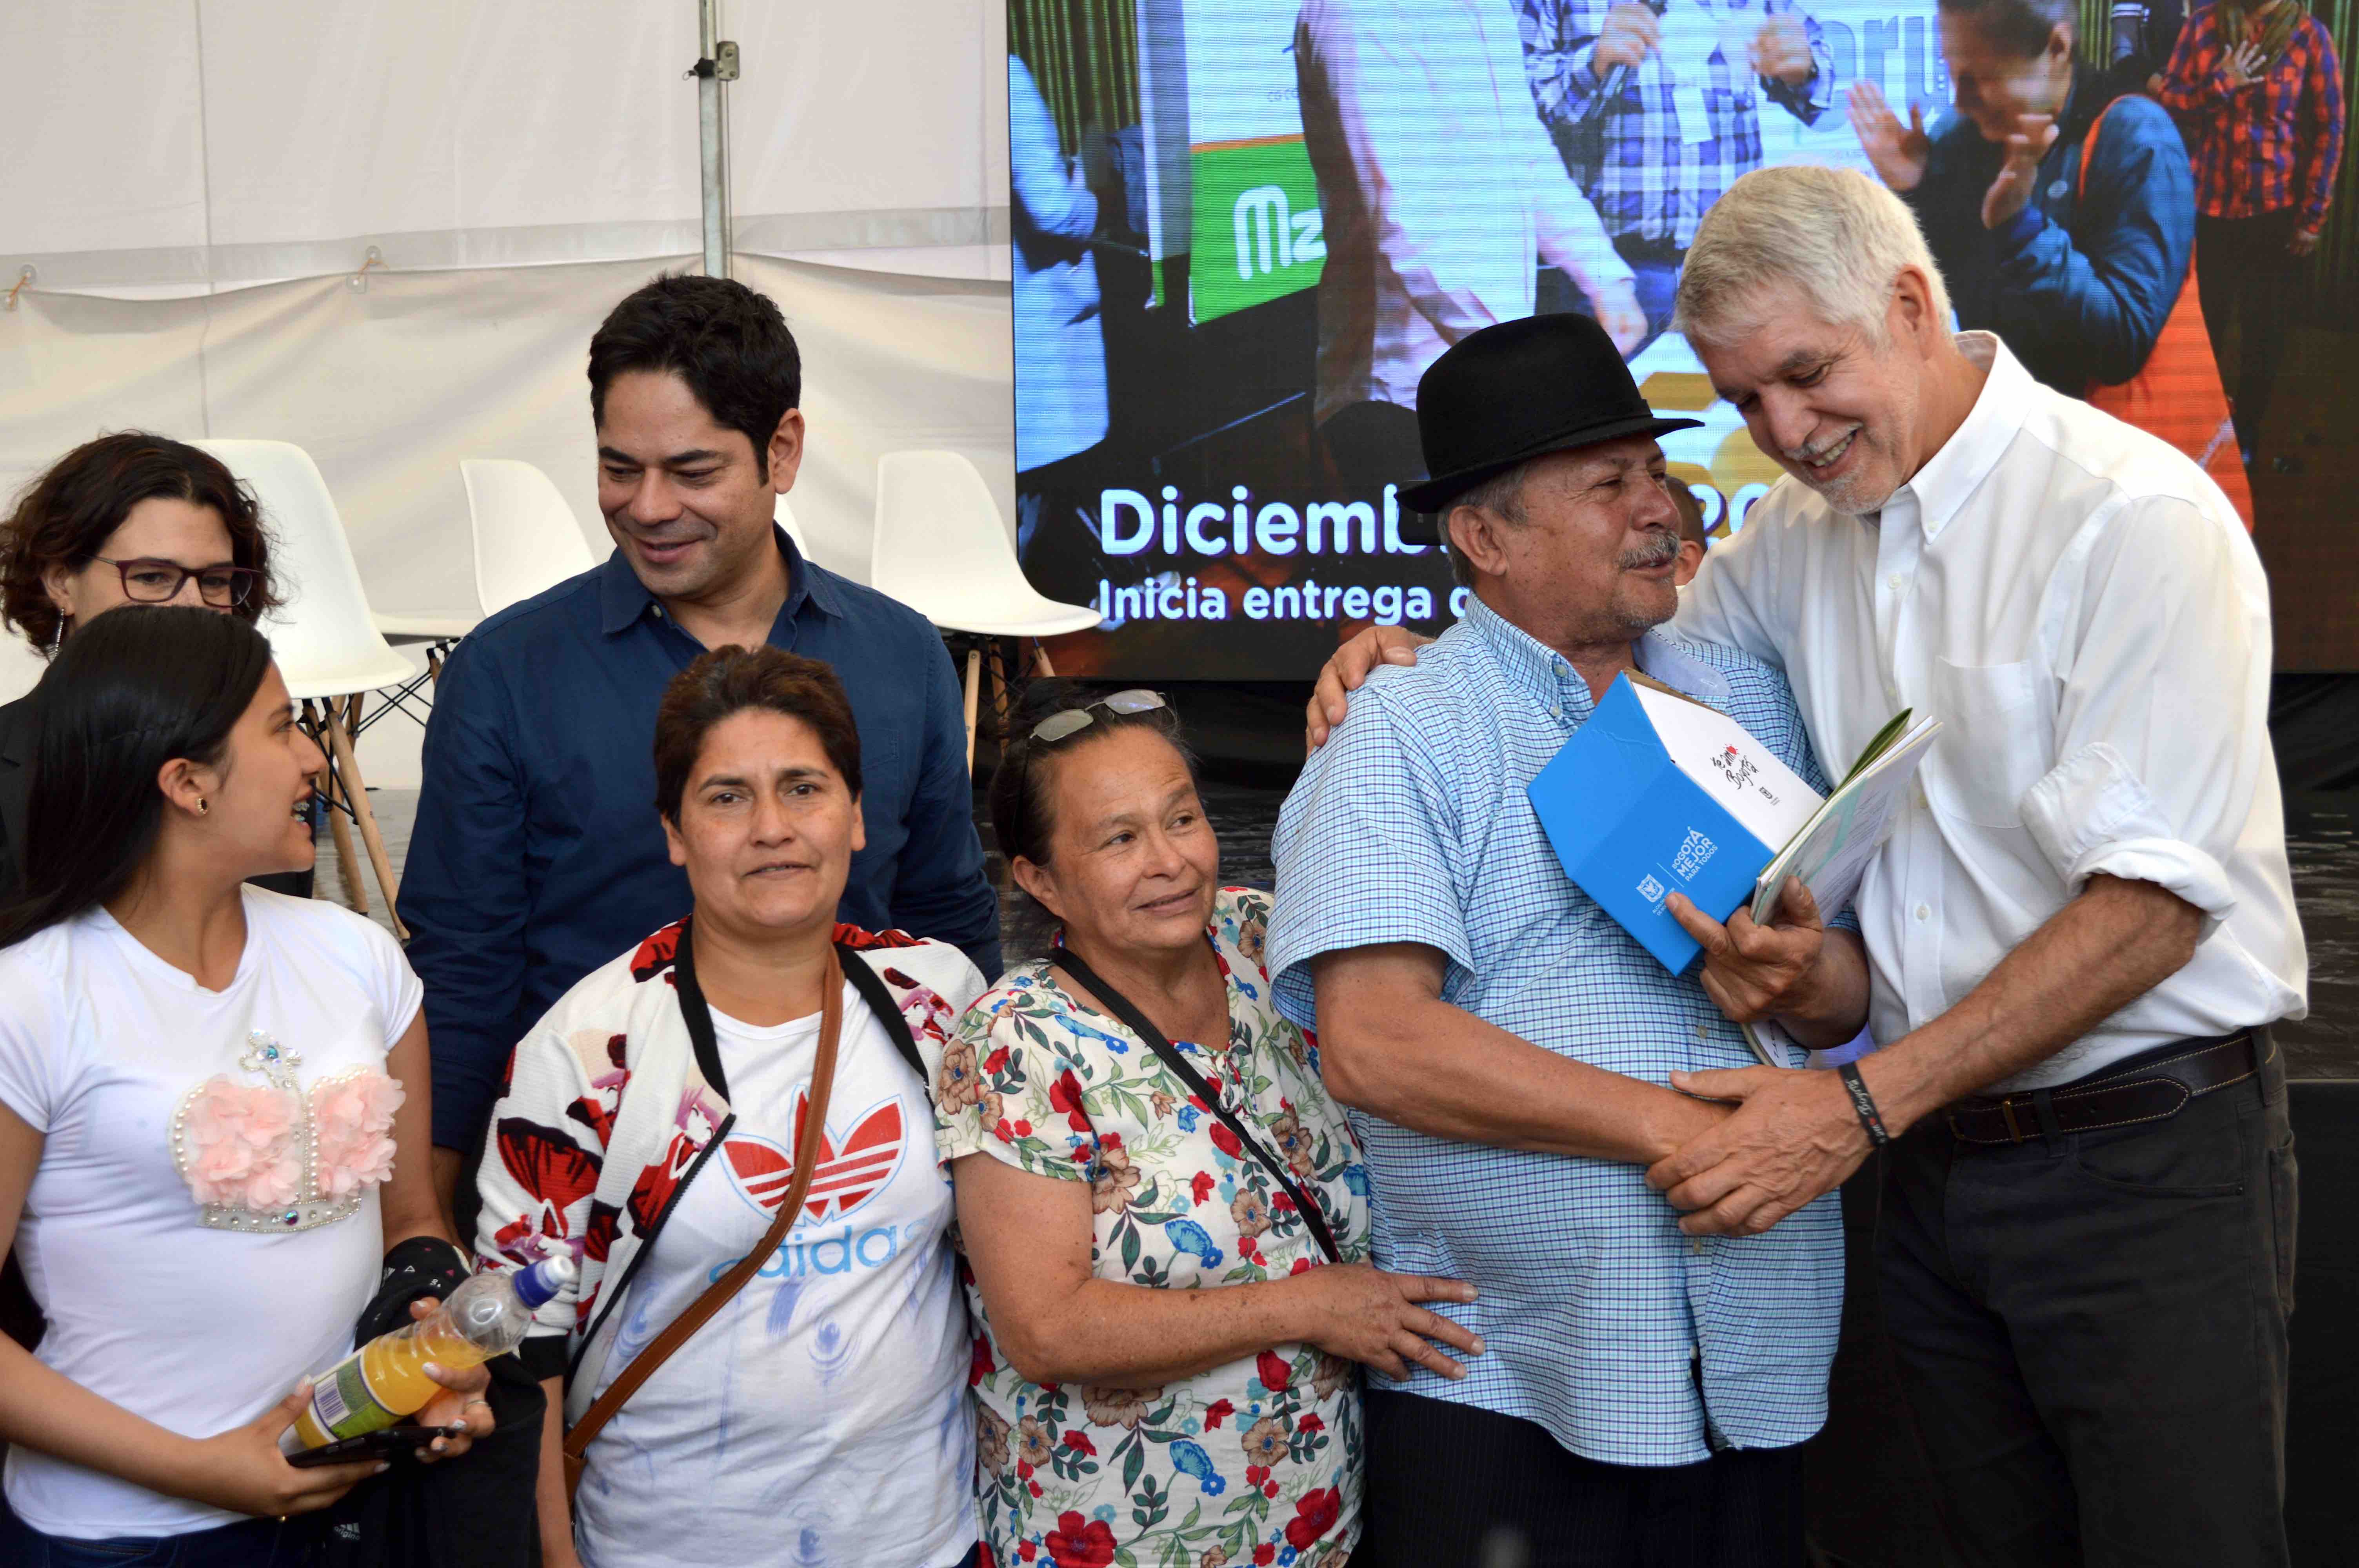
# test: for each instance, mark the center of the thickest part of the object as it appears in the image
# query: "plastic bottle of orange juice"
(386, 1379)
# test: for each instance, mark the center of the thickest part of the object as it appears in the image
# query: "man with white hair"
(2081, 930)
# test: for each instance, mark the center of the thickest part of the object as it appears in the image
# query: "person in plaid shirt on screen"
(2258, 92)
(1654, 105)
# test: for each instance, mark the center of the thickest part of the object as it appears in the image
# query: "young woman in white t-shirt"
(213, 1113)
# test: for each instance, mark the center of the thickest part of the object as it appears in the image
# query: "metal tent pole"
(716, 68)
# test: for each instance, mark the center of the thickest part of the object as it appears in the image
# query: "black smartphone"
(382, 1443)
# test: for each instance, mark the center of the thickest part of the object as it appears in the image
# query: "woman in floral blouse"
(1128, 1403)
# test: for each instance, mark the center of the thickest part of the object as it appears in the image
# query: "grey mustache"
(1662, 551)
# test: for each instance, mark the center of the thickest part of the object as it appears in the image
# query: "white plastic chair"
(20, 666)
(942, 549)
(324, 636)
(526, 540)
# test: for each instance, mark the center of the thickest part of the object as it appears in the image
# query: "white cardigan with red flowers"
(604, 1117)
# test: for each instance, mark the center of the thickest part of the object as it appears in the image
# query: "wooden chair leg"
(996, 715)
(973, 681)
(340, 833)
(1040, 664)
(357, 792)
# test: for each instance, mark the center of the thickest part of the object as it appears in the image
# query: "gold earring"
(201, 807)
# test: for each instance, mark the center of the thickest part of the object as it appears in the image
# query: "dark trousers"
(1469, 1487)
(2245, 276)
(2091, 1330)
(248, 1544)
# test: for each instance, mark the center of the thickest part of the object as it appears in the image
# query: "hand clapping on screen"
(1898, 152)
(1629, 35)
(2025, 146)
(1619, 313)
(1781, 51)
(2243, 66)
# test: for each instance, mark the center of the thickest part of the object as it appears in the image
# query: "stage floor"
(2319, 833)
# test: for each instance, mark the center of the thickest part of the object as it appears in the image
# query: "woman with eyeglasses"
(1166, 1216)
(126, 519)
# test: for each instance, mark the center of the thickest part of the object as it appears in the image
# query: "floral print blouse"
(1256, 1461)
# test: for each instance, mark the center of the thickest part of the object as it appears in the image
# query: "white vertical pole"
(713, 139)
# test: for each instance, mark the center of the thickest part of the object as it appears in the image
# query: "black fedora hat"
(1516, 391)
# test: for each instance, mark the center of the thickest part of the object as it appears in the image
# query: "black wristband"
(421, 1266)
(1863, 1103)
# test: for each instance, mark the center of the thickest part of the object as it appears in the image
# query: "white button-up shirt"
(2083, 611)
(1438, 185)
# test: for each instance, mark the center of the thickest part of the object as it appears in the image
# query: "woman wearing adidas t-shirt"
(820, 1415)
(205, 1142)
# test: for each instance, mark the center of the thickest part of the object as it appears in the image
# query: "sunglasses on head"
(1073, 721)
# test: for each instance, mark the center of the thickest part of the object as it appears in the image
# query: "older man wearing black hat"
(1506, 1047)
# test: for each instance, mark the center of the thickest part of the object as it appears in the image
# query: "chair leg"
(995, 714)
(340, 833)
(1040, 664)
(357, 792)
(974, 684)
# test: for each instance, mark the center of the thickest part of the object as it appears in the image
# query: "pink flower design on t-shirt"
(241, 1146)
(353, 1118)
(239, 1150)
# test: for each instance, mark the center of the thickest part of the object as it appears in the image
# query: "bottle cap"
(538, 1285)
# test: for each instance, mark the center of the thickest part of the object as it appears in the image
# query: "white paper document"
(1767, 798)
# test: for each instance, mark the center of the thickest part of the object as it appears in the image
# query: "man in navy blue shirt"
(538, 855)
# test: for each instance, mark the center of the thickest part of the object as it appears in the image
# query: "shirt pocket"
(1997, 739)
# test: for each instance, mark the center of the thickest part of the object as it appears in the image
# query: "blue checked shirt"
(1632, 1344)
(1623, 147)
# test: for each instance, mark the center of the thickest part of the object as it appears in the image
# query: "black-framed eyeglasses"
(1073, 721)
(159, 582)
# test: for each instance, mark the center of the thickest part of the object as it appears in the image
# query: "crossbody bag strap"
(1137, 1022)
(872, 989)
(675, 1334)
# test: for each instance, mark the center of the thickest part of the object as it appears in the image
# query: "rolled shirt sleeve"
(1365, 854)
(2162, 721)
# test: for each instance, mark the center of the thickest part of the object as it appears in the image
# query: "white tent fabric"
(195, 185)
(390, 388)
(220, 143)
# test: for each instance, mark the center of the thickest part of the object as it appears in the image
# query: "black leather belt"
(2151, 1086)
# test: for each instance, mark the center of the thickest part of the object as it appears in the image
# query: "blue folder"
(1631, 829)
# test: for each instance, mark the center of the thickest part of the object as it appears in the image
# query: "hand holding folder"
(1657, 794)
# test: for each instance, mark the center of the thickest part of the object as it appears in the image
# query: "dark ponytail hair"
(1022, 816)
(125, 695)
